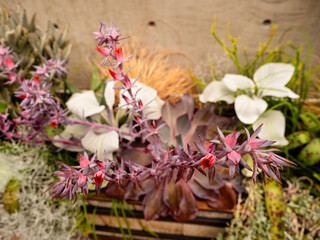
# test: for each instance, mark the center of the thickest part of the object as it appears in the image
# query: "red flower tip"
(21, 96)
(140, 104)
(83, 161)
(98, 178)
(104, 51)
(115, 75)
(207, 161)
(119, 55)
(54, 123)
(127, 82)
(9, 63)
(36, 79)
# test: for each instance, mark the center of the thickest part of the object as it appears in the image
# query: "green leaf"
(3, 107)
(72, 88)
(95, 78)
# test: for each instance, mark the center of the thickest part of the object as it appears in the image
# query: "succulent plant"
(31, 46)
(176, 195)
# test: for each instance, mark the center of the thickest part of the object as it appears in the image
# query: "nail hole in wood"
(267, 22)
(152, 23)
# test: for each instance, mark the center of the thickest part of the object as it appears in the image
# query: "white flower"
(99, 141)
(274, 124)
(247, 95)
(71, 131)
(84, 104)
(149, 97)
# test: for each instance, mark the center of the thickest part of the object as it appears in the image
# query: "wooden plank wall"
(181, 25)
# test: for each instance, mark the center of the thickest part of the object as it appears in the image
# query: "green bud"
(298, 139)
(310, 154)
(10, 196)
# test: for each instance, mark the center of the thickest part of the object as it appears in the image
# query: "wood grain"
(182, 25)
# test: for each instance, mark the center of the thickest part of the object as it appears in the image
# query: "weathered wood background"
(182, 25)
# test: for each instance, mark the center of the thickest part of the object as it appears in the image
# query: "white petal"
(273, 128)
(216, 91)
(145, 93)
(248, 109)
(155, 107)
(149, 96)
(95, 142)
(273, 75)
(109, 94)
(279, 92)
(236, 81)
(84, 104)
(71, 131)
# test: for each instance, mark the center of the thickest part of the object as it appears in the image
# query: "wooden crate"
(207, 225)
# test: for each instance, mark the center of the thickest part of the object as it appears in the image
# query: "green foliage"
(124, 208)
(96, 81)
(83, 223)
(301, 126)
(301, 215)
(251, 221)
(30, 45)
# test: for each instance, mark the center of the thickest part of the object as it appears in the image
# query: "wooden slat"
(134, 205)
(202, 205)
(173, 228)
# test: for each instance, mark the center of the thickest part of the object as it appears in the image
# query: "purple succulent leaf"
(227, 199)
(232, 169)
(203, 151)
(199, 125)
(244, 164)
(202, 192)
(153, 205)
(203, 180)
(183, 125)
(211, 174)
(180, 174)
(180, 201)
(171, 112)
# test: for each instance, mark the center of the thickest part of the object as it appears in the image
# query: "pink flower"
(101, 165)
(82, 180)
(98, 178)
(234, 157)
(255, 143)
(207, 161)
(119, 55)
(231, 139)
(9, 63)
(104, 51)
(83, 161)
(114, 33)
(2, 51)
